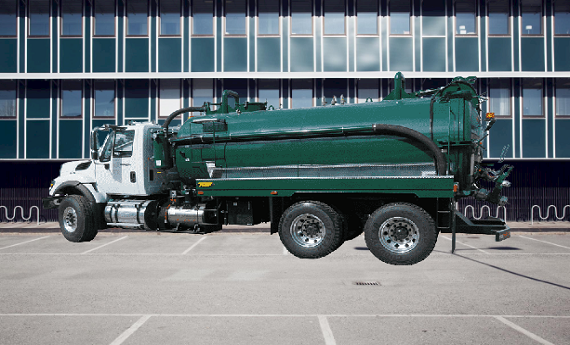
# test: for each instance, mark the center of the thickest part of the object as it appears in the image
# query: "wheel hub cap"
(69, 219)
(399, 235)
(307, 230)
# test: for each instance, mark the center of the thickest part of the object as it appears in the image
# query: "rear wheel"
(311, 229)
(400, 234)
(76, 219)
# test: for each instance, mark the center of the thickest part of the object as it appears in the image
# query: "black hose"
(440, 163)
(178, 112)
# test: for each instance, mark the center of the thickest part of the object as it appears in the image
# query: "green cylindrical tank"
(334, 140)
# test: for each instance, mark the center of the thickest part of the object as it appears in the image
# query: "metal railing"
(547, 212)
(28, 219)
(483, 209)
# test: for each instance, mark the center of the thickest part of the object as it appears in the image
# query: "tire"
(400, 234)
(311, 229)
(76, 219)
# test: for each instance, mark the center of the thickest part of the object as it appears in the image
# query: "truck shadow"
(514, 273)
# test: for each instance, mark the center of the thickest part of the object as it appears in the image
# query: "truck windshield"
(123, 144)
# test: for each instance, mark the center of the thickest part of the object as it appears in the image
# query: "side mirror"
(94, 144)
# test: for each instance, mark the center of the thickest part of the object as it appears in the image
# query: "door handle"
(107, 166)
(133, 177)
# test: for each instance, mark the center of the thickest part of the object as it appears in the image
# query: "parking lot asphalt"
(245, 288)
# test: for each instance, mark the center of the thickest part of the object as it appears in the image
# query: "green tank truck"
(321, 176)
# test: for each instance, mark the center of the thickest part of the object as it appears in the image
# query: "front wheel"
(76, 219)
(400, 234)
(311, 229)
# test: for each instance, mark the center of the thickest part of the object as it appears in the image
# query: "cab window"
(123, 144)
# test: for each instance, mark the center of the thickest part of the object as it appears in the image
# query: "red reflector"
(274, 192)
(200, 192)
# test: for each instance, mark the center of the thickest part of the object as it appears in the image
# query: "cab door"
(114, 169)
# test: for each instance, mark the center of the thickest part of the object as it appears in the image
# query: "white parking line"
(285, 251)
(327, 331)
(194, 245)
(465, 244)
(121, 338)
(523, 331)
(106, 244)
(17, 244)
(554, 244)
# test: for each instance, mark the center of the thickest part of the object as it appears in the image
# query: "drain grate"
(371, 283)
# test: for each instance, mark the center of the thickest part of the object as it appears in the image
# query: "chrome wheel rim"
(308, 230)
(69, 219)
(399, 235)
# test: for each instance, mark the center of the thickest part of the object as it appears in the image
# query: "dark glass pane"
(104, 17)
(8, 17)
(235, 17)
(532, 98)
(7, 98)
(334, 17)
(498, 17)
(532, 17)
(400, 18)
(563, 97)
(71, 21)
(302, 94)
(301, 17)
(562, 18)
(170, 17)
(137, 23)
(104, 98)
(268, 22)
(71, 92)
(202, 17)
(39, 17)
(465, 15)
(269, 91)
(367, 22)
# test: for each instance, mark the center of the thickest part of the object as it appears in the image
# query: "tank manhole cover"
(372, 283)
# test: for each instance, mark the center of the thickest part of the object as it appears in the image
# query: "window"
(498, 17)
(7, 99)
(302, 93)
(268, 17)
(334, 17)
(104, 98)
(39, 17)
(169, 96)
(563, 97)
(235, 17)
(123, 147)
(562, 17)
(137, 17)
(301, 17)
(500, 97)
(269, 91)
(170, 17)
(531, 17)
(8, 17)
(202, 17)
(400, 17)
(202, 91)
(104, 17)
(367, 88)
(465, 14)
(532, 97)
(71, 18)
(71, 92)
(367, 17)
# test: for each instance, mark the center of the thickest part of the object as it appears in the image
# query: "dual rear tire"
(397, 233)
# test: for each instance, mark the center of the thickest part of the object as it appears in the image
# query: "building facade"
(68, 66)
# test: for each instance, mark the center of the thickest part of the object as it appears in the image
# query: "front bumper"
(51, 202)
